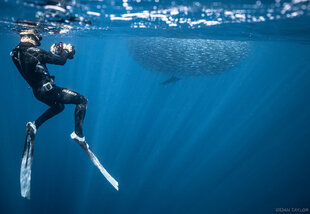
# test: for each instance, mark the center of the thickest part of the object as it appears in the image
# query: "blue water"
(233, 142)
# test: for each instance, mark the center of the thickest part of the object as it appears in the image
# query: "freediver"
(31, 63)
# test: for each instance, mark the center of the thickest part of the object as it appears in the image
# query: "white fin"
(94, 159)
(25, 170)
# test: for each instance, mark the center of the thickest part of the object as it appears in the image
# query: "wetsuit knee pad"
(84, 101)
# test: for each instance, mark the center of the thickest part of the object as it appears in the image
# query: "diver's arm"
(57, 60)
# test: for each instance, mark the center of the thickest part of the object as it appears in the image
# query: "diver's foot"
(31, 128)
(78, 139)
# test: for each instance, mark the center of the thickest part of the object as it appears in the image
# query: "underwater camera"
(59, 48)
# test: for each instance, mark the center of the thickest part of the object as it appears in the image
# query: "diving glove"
(69, 49)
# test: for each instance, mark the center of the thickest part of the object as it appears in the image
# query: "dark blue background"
(237, 142)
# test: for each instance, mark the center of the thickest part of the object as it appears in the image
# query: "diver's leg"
(70, 97)
(80, 112)
(49, 113)
(49, 97)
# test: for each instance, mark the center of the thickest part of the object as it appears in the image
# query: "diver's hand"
(69, 49)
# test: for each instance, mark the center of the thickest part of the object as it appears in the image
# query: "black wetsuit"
(31, 63)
